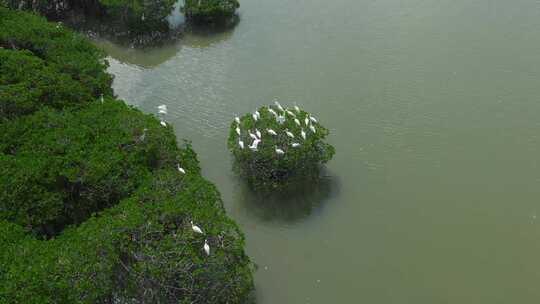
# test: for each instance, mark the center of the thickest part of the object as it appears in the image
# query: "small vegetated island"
(98, 203)
(274, 147)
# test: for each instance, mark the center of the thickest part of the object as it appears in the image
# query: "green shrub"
(56, 67)
(27, 83)
(92, 206)
(263, 167)
(137, 16)
(142, 250)
(59, 167)
(210, 11)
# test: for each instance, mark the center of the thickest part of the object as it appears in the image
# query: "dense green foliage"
(135, 16)
(62, 166)
(43, 64)
(210, 11)
(92, 206)
(263, 167)
(142, 250)
(138, 16)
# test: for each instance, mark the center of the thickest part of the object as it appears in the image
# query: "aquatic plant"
(273, 146)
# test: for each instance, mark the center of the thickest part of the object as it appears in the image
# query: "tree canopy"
(93, 207)
(277, 145)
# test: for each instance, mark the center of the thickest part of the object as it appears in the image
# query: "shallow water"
(434, 109)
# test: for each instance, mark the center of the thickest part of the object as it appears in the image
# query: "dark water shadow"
(152, 56)
(302, 200)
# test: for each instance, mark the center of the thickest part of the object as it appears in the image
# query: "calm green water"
(434, 109)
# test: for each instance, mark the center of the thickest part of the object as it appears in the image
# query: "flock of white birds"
(281, 115)
(162, 111)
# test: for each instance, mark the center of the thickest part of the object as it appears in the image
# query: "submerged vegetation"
(93, 208)
(275, 146)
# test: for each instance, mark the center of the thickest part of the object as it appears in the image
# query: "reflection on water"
(296, 203)
(150, 57)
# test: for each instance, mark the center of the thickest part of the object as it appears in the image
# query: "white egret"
(297, 121)
(280, 119)
(303, 134)
(162, 107)
(206, 247)
(258, 133)
(295, 145)
(290, 113)
(237, 119)
(143, 135)
(258, 114)
(278, 105)
(238, 131)
(289, 133)
(163, 123)
(297, 109)
(180, 169)
(255, 144)
(255, 117)
(196, 229)
(241, 144)
(279, 151)
(272, 111)
(271, 132)
(312, 119)
(306, 121)
(253, 136)
(312, 128)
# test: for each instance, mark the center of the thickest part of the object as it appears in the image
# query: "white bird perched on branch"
(312, 119)
(312, 128)
(290, 113)
(237, 119)
(206, 247)
(280, 119)
(163, 123)
(279, 151)
(253, 136)
(272, 111)
(255, 117)
(241, 144)
(258, 133)
(289, 133)
(238, 131)
(271, 132)
(255, 144)
(196, 229)
(303, 134)
(278, 105)
(180, 169)
(297, 121)
(295, 145)
(306, 121)
(297, 109)
(258, 114)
